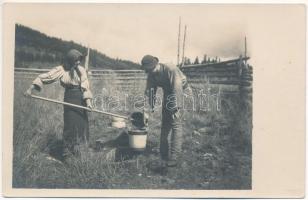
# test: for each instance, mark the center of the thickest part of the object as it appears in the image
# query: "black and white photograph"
(139, 96)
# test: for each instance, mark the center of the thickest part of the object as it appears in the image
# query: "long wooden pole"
(245, 50)
(183, 52)
(179, 40)
(77, 106)
(87, 60)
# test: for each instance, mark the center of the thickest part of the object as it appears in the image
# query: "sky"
(129, 31)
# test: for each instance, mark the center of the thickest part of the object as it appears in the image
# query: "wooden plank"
(210, 80)
(213, 77)
(27, 73)
(217, 64)
(213, 70)
(117, 71)
(225, 82)
(31, 70)
(121, 78)
(222, 87)
(118, 77)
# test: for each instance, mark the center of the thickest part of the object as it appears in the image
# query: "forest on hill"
(34, 49)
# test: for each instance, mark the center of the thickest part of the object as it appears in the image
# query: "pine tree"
(204, 59)
(196, 61)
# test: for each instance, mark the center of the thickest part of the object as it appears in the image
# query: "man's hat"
(149, 61)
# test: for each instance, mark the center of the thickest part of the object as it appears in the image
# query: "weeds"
(216, 150)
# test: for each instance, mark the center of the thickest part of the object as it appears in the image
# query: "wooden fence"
(230, 76)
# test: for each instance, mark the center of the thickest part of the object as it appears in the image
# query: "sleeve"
(150, 91)
(176, 84)
(84, 83)
(49, 77)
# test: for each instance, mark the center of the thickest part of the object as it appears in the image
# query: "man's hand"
(145, 115)
(89, 104)
(145, 119)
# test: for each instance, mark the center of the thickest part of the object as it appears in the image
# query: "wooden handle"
(78, 106)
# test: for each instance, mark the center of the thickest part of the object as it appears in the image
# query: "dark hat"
(149, 60)
(73, 55)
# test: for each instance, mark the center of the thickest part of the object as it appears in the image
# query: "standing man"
(173, 82)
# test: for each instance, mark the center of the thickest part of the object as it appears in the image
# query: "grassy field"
(216, 152)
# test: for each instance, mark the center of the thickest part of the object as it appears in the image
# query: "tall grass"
(216, 150)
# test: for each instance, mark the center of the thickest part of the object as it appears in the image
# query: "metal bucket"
(137, 139)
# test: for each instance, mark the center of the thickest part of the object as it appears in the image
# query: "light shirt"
(171, 79)
(67, 79)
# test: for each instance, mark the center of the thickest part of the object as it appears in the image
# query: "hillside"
(34, 49)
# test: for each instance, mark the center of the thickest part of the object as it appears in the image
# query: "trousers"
(171, 124)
